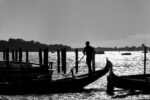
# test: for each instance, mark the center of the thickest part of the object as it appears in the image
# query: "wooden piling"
(20, 55)
(7, 57)
(46, 58)
(63, 57)
(110, 86)
(16, 55)
(4, 55)
(145, 50)
(27, 55)
(93, 62)
(62, 60)
(76, 57)
(40, 56)
(58, 61)
(13, 55)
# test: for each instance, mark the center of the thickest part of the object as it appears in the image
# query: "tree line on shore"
(35, 46)
(127, 48)
(30, 45)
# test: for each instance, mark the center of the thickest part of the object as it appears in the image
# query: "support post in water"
(13, 55)
(63, 57)
(62, 60)
(145, 50)
(110, 86)
(93, 62)
(58, 61)
(76, 57)
(4, 54)
(46, 58)
(20, 55)
(65, 61)
(7, 57)
(16, 55)
(27, 55)
(40, 56)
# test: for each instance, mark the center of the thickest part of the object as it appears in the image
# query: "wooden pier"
(44, 59)
(18, 73)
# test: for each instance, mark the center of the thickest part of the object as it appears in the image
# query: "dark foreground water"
(123, 65)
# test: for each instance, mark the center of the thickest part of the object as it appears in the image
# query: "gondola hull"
(133, 82)
(68, 84)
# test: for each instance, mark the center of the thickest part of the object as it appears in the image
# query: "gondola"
(132, 82)
(68, 84)
(14, 72)
(126, 53)
(99, 52)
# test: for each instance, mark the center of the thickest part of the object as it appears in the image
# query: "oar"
(75, 66)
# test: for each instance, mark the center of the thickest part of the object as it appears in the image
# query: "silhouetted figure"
(89, 51)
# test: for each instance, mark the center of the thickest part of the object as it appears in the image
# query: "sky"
(105, 23)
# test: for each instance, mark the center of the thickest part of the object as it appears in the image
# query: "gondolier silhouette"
(89, 52)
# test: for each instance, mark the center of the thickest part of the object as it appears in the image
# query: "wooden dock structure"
(43, 56)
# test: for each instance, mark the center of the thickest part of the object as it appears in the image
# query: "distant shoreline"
(34, 46)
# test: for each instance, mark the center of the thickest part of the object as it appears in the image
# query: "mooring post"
(4, 55)
(62, 60)
(13, 55)
(27, 55)
(46, 58)
(58, 61)
(7, 57)
(93, 62)
(63, 57)
(20, 55)
(16, 55)
(110, 86)
(76, 57)
(40, 56)
(145, 50)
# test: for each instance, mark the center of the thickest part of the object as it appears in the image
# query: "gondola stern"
(110, 66)
(110, 84)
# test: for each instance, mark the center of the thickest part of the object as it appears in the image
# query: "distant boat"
(99, 52)
(125, 53)
(42, 83)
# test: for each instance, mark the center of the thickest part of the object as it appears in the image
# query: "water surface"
(122, 65)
